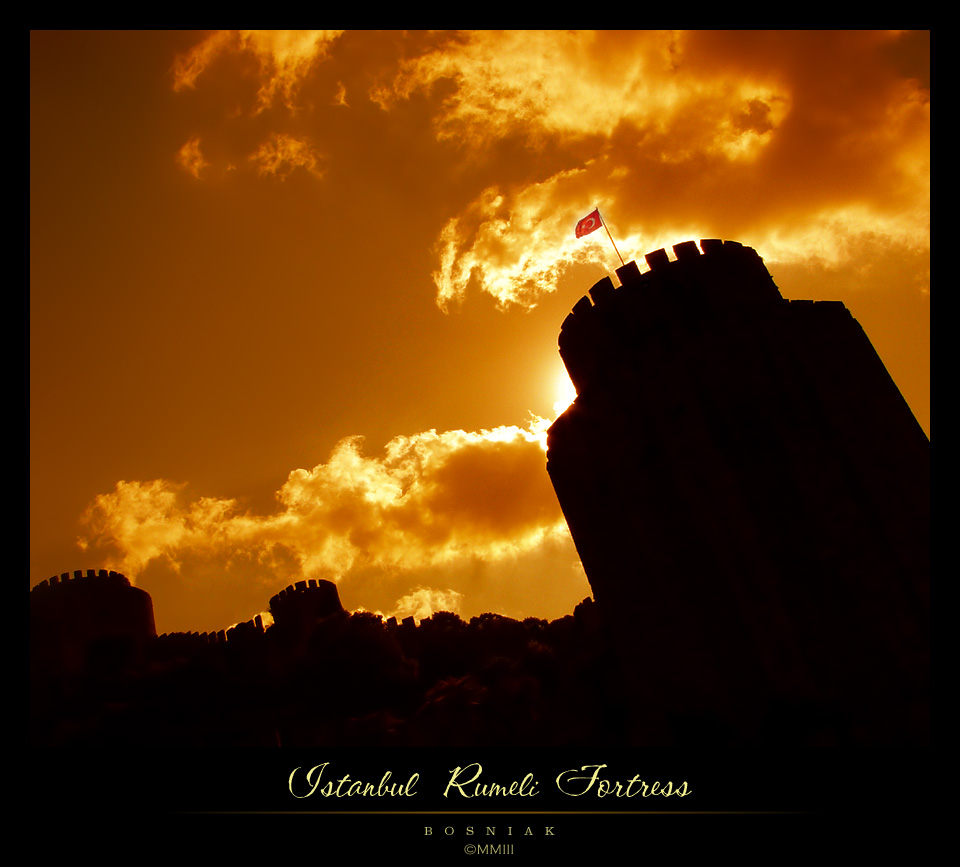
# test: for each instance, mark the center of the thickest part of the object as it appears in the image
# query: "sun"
(564, 391)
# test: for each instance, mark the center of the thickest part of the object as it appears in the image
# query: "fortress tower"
(750, 497)
(77, 619)
(302, 605)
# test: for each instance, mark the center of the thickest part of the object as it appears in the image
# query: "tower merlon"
(709, 280)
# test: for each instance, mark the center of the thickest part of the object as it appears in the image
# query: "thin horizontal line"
(496, 812)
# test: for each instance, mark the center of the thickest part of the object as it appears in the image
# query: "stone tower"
(76, 619)
(750, 497)
(302, 605)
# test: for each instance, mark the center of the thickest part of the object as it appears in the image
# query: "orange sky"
(295, 295)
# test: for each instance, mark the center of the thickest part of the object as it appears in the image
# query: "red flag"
(589, 223)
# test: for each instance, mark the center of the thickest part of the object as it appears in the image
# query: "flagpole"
(610, 237)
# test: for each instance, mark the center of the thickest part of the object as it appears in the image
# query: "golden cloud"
(575, 83)
(282, 153)
(285, 58)
(514, 245)
(145, 519)
(188, 67)
(429, 500)
(425, 601)
(191, 158)
(802, 143)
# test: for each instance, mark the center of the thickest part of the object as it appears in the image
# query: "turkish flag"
(589, 223)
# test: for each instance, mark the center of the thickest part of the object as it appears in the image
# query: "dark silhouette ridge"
(318, 676)
(750, 497)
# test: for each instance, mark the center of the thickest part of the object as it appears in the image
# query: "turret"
(749, 495)
(77, 618)
(301, 605)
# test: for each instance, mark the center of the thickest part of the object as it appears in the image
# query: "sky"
(295, 295)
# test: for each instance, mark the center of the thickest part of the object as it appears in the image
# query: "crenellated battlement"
(72, 609)
(252, 628)
(79, 578)
(306, 601)
(709, 281)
